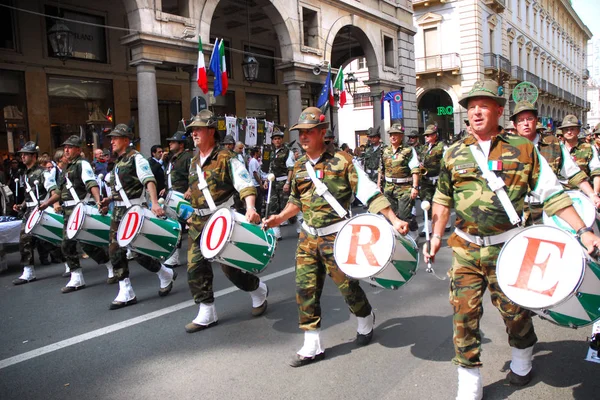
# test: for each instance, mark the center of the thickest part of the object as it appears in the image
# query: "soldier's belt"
(484, 241)
(30, 204)
(434, 179)
(281, 178)
(203, 212)
(399, 180)
(132, 201)
(328, 230)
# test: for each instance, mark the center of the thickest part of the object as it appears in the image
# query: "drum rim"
(558, 302)
(37, 211)
(83, 205)
(139, 227)
(226, 240)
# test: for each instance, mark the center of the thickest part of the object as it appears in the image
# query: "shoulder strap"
(324, 192)
(203, 185)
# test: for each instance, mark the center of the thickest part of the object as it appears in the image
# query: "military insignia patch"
(245, 176)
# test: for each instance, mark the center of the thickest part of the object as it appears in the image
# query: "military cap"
(431, 129)
(521, 106)
(373, 132)
(485, 88)
(204, 118)
(413, 133)
(329, 134)
(121, 130)
(73, 140)
(569, 121)
(178, 136)
(582, 134)
(510, 126)
(559, 132)
(276, 132)
(596, 129)
(395, 128)
(29, 147)
(539, 127)
(228, 139)
(311, 117)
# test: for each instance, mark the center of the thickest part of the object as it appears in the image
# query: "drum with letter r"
(231, 240)
(87, 225)
(369, 248)
(143, 232)
(46, 225)
(547, 271)
(584, 207)
(176, 206)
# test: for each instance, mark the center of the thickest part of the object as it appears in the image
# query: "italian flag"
(201, 72)
(224, 80)
(339, 85)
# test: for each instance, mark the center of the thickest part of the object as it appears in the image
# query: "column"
(336, 125)
(195, 91)
(149, 128)
(294, 106)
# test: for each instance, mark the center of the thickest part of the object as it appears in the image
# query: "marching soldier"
(75, 184)
(130, 178)
(282, 163)
(222, 175)
(582, 152)
(229, 142)
(372, 154)
(596, 134)
(431, 158)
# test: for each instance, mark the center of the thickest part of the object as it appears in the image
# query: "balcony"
(438, 64)
(517, 74)
(552, 89)
(543, 87)
(532, 78)
(585, 74)
(560, 94)
(417, 4)
(497, 5)
(493, 62)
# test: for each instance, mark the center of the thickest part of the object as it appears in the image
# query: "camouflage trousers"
(28, 243)
(398, 194)
(69, 247)
(118, 254)
(200, 275)
(473, 270)
(278, 198)
(314, 259)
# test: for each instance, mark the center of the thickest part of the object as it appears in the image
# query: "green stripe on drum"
(591, 304)
(246, 266)
(58, 217)
(58, 231)
(167, 225)
(101, 233)
(411, 250)
(50, 239)
(260, 253)
(255, 229)
(595, 268)
(405, 268)
(165, 242)
(567, 320)
(104, 220)
(389, 284)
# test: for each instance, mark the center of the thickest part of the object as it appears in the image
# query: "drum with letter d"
(368, 248)
(229, 239)
(46, 225)
(87, 225)
(176, 206)
(143, 232)
(547, 271)
(584, 207)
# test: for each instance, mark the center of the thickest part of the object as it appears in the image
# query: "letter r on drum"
(528, 263)
(366, 247)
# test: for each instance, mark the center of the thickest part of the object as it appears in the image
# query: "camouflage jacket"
(81, 175)
(372, 158)
(134, 173)
(35, 173)
(178, 170)
(586, 158)
(341, 176)
(569, 174)
(280, 164)
(401, 163)
(513, 159)
(225, 175)
(432, 158)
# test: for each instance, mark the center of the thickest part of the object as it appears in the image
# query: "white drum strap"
(71, 189)
(30, 191)
(119, 188)
(496, 184)
(203, 185)
(322, 191)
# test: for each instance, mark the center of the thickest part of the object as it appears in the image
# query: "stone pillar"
(38, 111)
(294, 106)
(148, 125)
(377, 121)
(335, 123)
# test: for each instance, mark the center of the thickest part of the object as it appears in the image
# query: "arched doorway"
(436, 107)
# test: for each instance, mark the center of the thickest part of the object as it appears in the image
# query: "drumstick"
(37, 191)
(270, 178)
(425, 206)
(100, 180)
(16, 189)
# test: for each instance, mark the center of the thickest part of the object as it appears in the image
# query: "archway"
(436, 107)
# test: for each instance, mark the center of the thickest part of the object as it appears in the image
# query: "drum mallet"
(100, 181)
(271, 179)
(37, 191)
(16, 189)
(425, 206)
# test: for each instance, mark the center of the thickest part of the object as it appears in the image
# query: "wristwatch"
(583, 230)
(417, 187)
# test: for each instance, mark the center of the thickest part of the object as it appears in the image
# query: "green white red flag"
(201, 77)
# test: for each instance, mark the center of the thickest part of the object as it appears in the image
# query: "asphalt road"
(57, 346)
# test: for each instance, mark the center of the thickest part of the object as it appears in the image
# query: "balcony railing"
(552, 89)
(561, 94)
(529, 77)
(517, 73)
(497, 5)
(442, 62)
(493, 61)
(543, 85)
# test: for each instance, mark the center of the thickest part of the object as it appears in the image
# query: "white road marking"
(122, 325)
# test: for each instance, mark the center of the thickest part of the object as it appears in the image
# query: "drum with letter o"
(369, 248)
(231, 240)
(46, 225)
(87, 225)
(584, 207)
(176, 206)
(141, 231)
(547, 271)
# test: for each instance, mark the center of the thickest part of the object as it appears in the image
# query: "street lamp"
(250, 67)
(61, 39)
(350, 82)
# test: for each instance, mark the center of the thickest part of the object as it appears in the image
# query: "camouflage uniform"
(178, 170)
(372, 159)
(28, 242)
(81, 175)
(126, 168)
(217, 169)
(282, 162)
(479, 213)
(399, 164)
(586, 158)
(431, 158)
(314, 256)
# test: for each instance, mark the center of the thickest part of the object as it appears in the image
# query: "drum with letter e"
(87, 225)
(369, 248)
(547, 271)
(46, 225)
(176, 206)
(231, 240)
(141, 231)
(584, 207)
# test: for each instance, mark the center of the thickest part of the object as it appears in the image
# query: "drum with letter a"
(87, 225)
(141, 231)
(368, 248)
(176, 206)
(547, 271)
(229, 239)
(46, 225)
(584, 207)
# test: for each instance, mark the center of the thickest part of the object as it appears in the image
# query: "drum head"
(33, 220)
(76, 220)
(364, 246)
(130, 225)
(216, 233)
(540, 267)
(584, 207)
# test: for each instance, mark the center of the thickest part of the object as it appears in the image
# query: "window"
(527, 14)
(176, 7)
(7, 27)
(388, 48)
(510, 52)
(310, 28)
(431, 42)
(362, 63)
(519, 8)
(362, 100)
(266, 68)
(491, 40)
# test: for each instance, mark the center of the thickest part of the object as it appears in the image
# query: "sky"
(588, 11)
